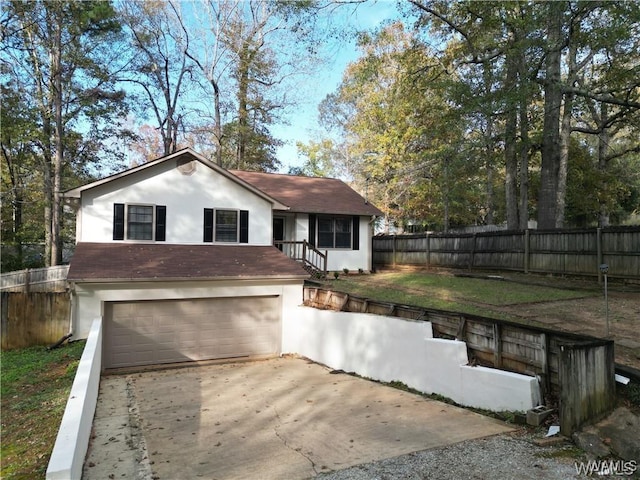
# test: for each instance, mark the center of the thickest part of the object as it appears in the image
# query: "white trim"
(215, 226)
(126, 222)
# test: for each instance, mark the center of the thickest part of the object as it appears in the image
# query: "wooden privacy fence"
(576, 369)
(51, 279)
(571, 252)
(35, 318)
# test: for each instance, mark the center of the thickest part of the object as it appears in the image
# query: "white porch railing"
(313, 260)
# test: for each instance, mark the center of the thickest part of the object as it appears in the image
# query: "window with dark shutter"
(226, 226)
(139, 222)
(118, 221)
(335, 232)
(208, 225)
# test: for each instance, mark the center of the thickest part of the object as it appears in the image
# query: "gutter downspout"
(74, 306)
(371, 234)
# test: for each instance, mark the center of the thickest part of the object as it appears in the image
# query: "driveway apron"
(271, 419)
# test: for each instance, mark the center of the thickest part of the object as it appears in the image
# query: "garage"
(138, 333)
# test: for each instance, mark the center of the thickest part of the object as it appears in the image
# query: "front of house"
(184, 260)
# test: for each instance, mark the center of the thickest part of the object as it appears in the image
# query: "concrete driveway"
(271, 419)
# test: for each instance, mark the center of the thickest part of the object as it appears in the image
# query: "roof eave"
(77, 192)
(187, 279)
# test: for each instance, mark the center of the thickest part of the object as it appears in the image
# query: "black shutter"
(161, 222)
(312, 229)
(355, 233)
(208, 225)
(118, 221)
(244, 226)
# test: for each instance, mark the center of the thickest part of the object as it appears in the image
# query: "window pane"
(325, 232)
(343, 232)
(140, 222)
(226, 226)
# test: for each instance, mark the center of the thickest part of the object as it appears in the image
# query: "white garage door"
(169, 331)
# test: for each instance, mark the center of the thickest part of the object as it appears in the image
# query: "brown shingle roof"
(310, 194)
(139, 261)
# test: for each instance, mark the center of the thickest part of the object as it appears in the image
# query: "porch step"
(314, 272)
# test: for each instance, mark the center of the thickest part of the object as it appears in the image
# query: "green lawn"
(476, 296)
(35, 385)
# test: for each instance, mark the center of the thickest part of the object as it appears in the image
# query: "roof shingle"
(310, 194)
(139, 261)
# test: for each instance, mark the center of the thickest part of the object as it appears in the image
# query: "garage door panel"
(150, 332)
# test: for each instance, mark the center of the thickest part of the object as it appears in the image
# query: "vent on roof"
(186, 167)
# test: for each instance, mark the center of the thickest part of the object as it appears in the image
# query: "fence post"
(526, 251)
(428, 240)
(497, 345)
(395, 237)
(599, 253)
(27, 280)
(473, 251)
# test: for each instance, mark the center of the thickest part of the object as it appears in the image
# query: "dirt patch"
(586, 315)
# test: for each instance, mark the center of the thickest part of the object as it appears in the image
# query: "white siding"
(185, 197)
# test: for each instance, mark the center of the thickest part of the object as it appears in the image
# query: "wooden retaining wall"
(570, 252)
(588, 372)
(35, 318)
(584, 377)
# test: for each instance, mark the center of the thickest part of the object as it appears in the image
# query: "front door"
(278, 231)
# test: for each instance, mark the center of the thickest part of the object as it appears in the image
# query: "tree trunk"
(603, 147)
(218, 120)
(489, 147)
(524, 153)
(551, 127)
(510, 138)
(565, 138)
(56, 208)
(243, 96)
(446, 196)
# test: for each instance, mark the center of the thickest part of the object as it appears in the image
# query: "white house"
(185, 260)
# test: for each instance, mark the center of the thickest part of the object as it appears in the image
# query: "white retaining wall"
(374, 346)
(72, 441)
(393, 349)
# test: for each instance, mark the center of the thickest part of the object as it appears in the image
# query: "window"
(334, 232)
(139, 222)
(229, 226)
(226, 227)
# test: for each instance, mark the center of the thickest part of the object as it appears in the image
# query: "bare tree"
(159, 64)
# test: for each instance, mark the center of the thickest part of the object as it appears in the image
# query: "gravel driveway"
(501, 457)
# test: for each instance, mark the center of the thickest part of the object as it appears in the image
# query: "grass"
(35, 385)
(446, 292)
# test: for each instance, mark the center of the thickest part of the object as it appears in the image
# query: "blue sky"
(304, 123)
